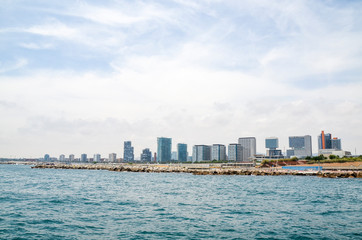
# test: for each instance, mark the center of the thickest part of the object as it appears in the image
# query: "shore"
(202, 169)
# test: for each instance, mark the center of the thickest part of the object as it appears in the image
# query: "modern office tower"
(201, 153)
(182, 152)
(128, 155)
(324, 141)
(235, 152)
(46, 157)
(301, 146)
(155, 157)
(97, 157)
(83, 157)
(146, 155)
(112, 157)
(248, 145)
(336, 144)
(71, 157)
(218, 152)
(164, 146)
(174, 156)
(272, 144)
(62, 158)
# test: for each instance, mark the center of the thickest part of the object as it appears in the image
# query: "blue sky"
(84, 76)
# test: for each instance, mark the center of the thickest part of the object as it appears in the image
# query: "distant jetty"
(202, 169)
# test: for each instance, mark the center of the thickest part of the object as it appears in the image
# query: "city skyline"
(84, 76)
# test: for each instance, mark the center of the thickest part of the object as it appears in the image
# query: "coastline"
(202, 169)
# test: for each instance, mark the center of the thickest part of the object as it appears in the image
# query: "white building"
(248, 145)
(218, 152)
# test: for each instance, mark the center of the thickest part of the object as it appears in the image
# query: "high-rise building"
(71, 157)
(218, 152)
(83, 157)
(128, 154)
(164, 146)
(272, 143)
(336, 144)
(112, 157)
(301, 146)
(235, 152)
(325, 141)
(97, 157)
(62, 157)
(146, 155)
(182, 152)
(174, 156)
(201, 153)
(46, 157)
(248, 145)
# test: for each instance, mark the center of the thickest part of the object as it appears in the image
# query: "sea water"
(91, 204)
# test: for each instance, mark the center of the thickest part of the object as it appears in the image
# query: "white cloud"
(11, 66)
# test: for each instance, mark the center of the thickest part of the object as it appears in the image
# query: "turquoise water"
(85, 204)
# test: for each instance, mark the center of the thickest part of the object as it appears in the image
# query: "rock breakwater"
(157, 168)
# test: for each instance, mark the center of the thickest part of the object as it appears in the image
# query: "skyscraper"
(301, 146)
(146, 155)
(272, 143)
(164, 146)
(325, 141)
(71, 157)
(128, 155)
(235, 152)
(112, 157)
(201, 153)
(182, 152)
(62, 158)
(97, 157)
(249, 148)
(83, 157)
(218, 152)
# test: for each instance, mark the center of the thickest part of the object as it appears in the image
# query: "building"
(174, 156)
(235, 152)
(336, 144)
(272, 143)
(327, 143)
(201, 153)
(62, 158)
(324, 141)
(46, 158)
(301, 146)
(112, 157)
(83, 157)
(71, 157)
(164, 146)
(248, 145)
(97, 157)
(146, 155)
(128, 154)
(218, 152)
(182, 153)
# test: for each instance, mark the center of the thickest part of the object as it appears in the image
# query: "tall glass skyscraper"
(249, 148)
(218, 152)
(182, 152)
(201, 153)
(235, 152)
(128, 154)
(164, 146)
(325, 141)
(301, 146)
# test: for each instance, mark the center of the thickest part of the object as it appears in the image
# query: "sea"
(99, 204)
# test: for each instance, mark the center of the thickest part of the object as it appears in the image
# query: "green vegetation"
(334, 159)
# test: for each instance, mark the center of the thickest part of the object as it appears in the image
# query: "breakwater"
(202, 170)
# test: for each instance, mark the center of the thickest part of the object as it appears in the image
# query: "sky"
(85, 76)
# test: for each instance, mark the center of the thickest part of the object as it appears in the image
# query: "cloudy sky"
(84, 76)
